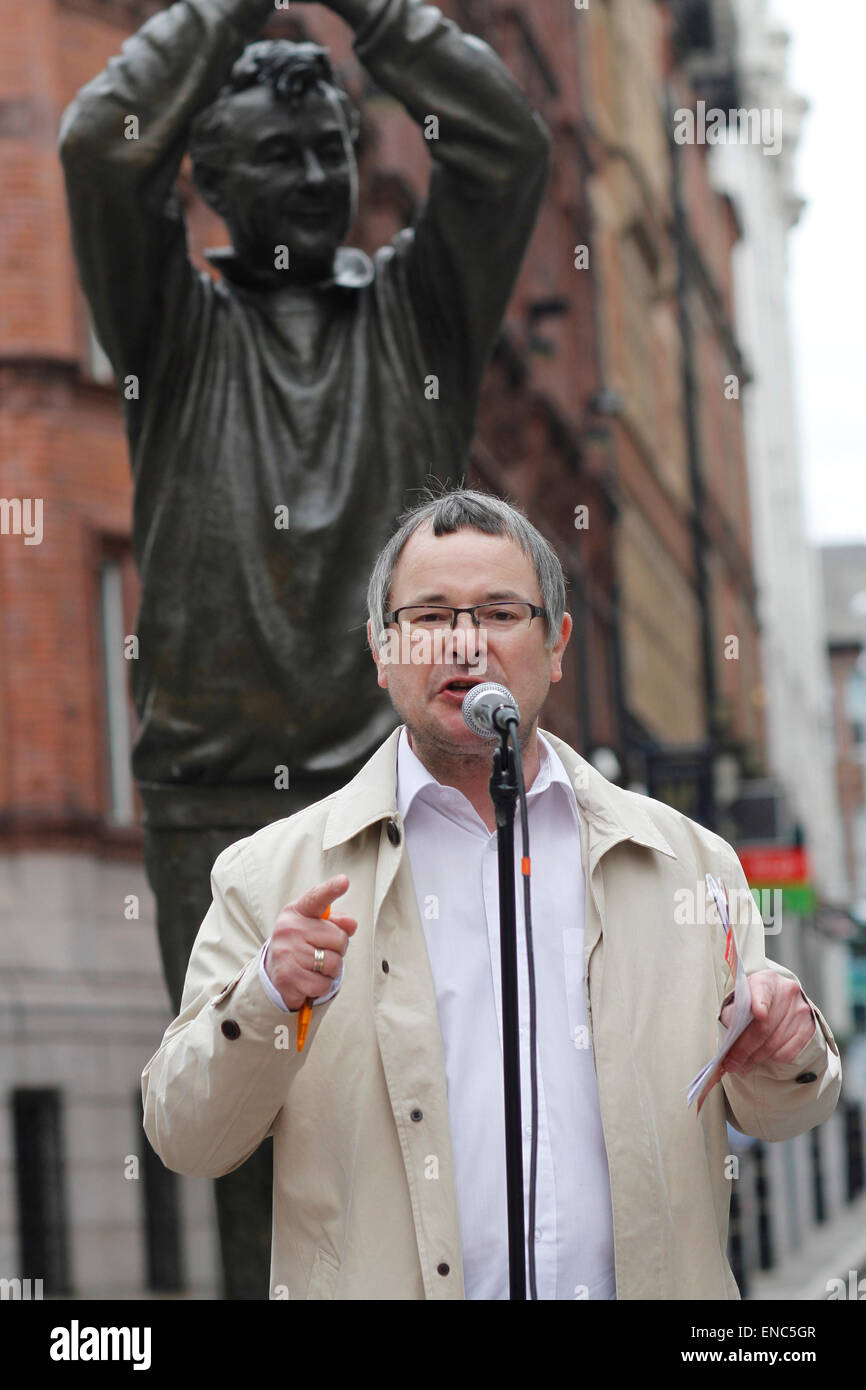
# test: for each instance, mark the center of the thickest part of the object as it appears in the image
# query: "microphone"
(489, 708)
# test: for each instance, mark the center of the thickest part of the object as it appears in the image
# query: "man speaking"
(389, 1155)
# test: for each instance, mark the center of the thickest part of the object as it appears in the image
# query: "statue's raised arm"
(491, 157)
(122, 140)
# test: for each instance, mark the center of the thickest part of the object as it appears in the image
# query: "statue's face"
(288, 179)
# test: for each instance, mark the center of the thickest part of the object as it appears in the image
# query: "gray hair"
(459, 510)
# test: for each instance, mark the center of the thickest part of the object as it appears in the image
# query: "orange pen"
(307, 1007)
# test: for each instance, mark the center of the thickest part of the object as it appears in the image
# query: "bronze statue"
(277, 418)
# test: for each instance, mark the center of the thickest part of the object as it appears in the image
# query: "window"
(113, 581)
(855, 703)
(640, 289)
(161, 1219)
(39, 1173)
(858, 837)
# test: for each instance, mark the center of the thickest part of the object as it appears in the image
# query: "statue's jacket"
(364, 1195)
(275, 436)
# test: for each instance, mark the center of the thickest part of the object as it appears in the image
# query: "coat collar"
(612, 813)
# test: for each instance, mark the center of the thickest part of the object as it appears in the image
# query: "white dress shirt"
(454, 865)
(455, 871)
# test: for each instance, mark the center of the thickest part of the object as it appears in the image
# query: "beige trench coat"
(364, 1196)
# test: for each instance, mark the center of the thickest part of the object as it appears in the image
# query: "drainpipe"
(621, 742)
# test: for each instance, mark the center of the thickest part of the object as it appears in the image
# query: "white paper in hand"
(741, 1015)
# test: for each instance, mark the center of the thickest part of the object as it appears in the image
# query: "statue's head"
(274, 156)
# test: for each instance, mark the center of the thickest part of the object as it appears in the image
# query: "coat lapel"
(406, 1018)
(609, 816)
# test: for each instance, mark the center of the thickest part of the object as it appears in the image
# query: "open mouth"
(458, 686)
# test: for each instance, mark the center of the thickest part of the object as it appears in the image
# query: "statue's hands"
(299, 930)
(354, 12)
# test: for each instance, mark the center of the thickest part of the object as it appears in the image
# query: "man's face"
(466, 568)
(288, 178)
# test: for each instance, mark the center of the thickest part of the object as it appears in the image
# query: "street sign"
(774, 866)
(799, 898)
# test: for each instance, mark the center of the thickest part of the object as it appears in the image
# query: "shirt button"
(443, 1268)
(527, 1130)
(385, 967)
(393, 832)
(416, 1115)
(538, 1234)
(807, 1076)
(230, 1030)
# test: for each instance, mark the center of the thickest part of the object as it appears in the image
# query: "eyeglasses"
(498, 617)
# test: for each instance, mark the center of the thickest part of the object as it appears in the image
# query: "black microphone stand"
(504, 791)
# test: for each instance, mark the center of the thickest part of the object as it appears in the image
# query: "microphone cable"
(525, 867)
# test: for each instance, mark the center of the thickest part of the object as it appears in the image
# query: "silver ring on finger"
(319, 957)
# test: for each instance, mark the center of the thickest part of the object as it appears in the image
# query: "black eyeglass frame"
(536, 612)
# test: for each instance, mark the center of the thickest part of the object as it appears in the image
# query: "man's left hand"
(782, 1025)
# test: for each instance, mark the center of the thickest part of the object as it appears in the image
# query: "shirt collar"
(352, 270)
(413, 776)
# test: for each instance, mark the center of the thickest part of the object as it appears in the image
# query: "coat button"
(807, 1076)
(443, 1268)
(393, 832)
(416, 1115)
(230, 1029)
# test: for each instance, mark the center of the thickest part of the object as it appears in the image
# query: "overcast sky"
(828, 263)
